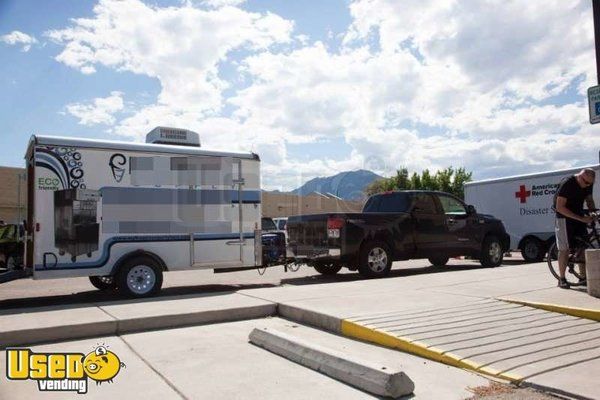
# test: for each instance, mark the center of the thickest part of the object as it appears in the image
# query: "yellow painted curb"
(587, 313)
(383, 338)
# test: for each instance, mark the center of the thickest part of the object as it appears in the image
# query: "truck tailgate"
(307, 230)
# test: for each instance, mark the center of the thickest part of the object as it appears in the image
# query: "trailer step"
(13, 274)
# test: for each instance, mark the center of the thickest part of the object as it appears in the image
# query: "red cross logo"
(523, 194)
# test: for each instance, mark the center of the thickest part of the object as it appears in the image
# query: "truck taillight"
(334, 224)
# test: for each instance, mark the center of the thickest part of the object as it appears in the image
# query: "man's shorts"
(566, 230)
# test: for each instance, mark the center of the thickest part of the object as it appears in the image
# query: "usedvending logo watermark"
(63, 372)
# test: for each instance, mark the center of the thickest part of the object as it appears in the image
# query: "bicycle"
(577, 255)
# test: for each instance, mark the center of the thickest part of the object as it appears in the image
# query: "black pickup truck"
(394, 226)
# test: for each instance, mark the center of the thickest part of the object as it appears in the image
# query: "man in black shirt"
(570, 221)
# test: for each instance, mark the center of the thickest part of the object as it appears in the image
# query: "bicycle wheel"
(571, 274)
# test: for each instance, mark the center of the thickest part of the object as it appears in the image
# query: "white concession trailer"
(122, 213)
(524, 204)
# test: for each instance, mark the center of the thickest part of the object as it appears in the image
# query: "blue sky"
(316, 87)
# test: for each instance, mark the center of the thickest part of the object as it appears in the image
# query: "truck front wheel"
(327, 268)
(438, 261)
(375, 260)
(139, 277)
(491, 252)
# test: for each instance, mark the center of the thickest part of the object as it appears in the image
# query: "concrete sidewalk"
(455, 318)
(450, 315)
(59, 323)
(217, 362)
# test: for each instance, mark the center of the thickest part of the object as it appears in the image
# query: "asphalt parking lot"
(451, 330)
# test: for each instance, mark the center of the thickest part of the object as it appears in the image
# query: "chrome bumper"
(317, 253)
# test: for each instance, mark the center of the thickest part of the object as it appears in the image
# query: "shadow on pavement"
(95, 297)
(395, 273)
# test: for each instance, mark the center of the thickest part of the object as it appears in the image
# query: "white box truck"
(524, 204)
(123, 213)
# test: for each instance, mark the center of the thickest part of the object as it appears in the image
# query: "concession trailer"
(123, 213)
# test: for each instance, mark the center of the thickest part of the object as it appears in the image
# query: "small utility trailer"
(124, 213)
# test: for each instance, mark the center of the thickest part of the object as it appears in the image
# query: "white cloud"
(472, 85)
(17, 38)
(179, 46)
(222, 3)
(424, 84)
(101, 110)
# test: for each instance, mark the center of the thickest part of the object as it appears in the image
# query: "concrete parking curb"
(309, 317)
(20, 337)
(381, 337)
(586, 313)
(195, 318)
(376, 379)
(111, 325)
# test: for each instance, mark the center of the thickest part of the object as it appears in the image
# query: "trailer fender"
(137, 253)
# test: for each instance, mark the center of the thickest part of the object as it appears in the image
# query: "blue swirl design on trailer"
(109, 243)
(65, 162)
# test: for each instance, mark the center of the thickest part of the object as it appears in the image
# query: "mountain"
(347, 185)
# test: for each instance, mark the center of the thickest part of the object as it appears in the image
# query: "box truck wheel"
(438, 261)
(327, 268)
(375, 260)
(491, 252)
(139, 276)
(103, 282)
(533, 249)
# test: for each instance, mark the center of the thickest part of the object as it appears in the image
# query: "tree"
(447, 180)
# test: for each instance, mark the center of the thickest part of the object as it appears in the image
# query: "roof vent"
(175, 136)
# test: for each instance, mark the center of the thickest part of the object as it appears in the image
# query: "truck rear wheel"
(103, 282)
(533, 249)
(491, 252)
(139, 277)
(375, 260)
(327, 268)
(438, 261)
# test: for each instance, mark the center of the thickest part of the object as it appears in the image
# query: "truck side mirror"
(471, 209)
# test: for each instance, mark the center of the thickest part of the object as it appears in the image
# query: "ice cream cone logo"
(116, 163)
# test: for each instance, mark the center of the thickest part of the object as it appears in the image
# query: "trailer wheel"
(438, 261)
(491, 252)
(139, 277)
(533, 249)
(375, 260)
(103, 282)
(327, 268)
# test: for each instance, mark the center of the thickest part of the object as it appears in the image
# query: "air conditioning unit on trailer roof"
(175, 136)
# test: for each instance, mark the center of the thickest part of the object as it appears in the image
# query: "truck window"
(393, 203)
(372, 204)
(424, 204)
(452, 206)
(267, 224)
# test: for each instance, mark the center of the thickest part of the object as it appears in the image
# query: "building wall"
(9, 194)
(273, 204)
(284, 205)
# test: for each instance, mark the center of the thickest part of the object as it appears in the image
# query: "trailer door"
(221, 250)
(30, 224)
